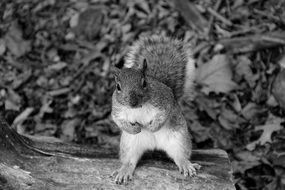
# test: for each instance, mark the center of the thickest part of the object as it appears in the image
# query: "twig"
(253, 29)
(218, 16)
(274, 39)
(253, 42)
(191, 15)
(23, 116)
(268, 15)
(59, 91)
(216, 7)
(200, 47)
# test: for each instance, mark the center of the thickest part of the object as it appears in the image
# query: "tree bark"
(26, 163)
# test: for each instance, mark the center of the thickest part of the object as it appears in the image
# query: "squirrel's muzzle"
(135, 99)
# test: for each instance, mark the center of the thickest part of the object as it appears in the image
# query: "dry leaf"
(278, 88)
(90, 23)
(13, 100)
(2, 47)
(242, 166)
(216, 75)
(243, 69)
(251, 111)
(247, 156)
(199, 132)
(272, 125)
(68, 129)
(228, 119)
(282, 62)
(15, 42)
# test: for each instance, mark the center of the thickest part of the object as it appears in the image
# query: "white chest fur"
(143, 115)
(164, 139)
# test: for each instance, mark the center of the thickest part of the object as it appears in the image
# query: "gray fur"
(168, 69)
(166, 61)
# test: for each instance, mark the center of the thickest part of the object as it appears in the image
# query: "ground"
(57, 60)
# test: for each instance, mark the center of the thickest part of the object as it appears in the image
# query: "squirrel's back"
(168, 60)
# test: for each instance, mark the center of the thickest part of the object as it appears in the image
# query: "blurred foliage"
(56, 78)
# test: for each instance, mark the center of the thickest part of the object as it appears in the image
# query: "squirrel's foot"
(124, 174)
(187, 168)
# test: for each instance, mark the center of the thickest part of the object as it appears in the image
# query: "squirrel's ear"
(144, 66)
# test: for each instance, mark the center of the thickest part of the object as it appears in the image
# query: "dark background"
(56, 80)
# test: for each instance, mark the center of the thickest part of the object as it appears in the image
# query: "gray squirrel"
(158, 71)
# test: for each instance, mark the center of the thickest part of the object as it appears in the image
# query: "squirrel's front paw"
(133, 128)
(187, 168)
(124, 174)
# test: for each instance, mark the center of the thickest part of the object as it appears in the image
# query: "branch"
(253, 42)
(26, 163)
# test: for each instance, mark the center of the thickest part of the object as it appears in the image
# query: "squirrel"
(158, 71)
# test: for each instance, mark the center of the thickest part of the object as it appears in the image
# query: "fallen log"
(26, 163)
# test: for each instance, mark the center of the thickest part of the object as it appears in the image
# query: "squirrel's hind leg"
(179, 148)
(131, 150)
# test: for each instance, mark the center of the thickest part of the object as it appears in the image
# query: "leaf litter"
(56, 62)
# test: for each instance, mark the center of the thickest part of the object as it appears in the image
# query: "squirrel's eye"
(118, 87)
(143, 83)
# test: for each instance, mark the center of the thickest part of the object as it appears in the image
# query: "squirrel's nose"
(134, 99)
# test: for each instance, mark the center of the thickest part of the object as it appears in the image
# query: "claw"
(124, 174)
(188, 169)
(114, 173)
(196, 166)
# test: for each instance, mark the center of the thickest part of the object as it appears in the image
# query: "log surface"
(27, 163)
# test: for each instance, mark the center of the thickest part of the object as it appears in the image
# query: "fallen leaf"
(15, 42)
(21, 78)
(11, 106)
(220, 137)
(247, 156)
(279, 159)
(228, 118)
(216, 75)
(199, 132)
(271, 101)
(90, 23)
(278, 88)
(13, 100)
(282, 62)
(43, 5)
(251, 111)
(273, 124)
(74, 20)
(242, 166)
(2, 47)
(209, 106)
(236, 103)
(68, 129)
(243, 69)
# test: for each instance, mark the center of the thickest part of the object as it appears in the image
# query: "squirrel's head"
(131, 86)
